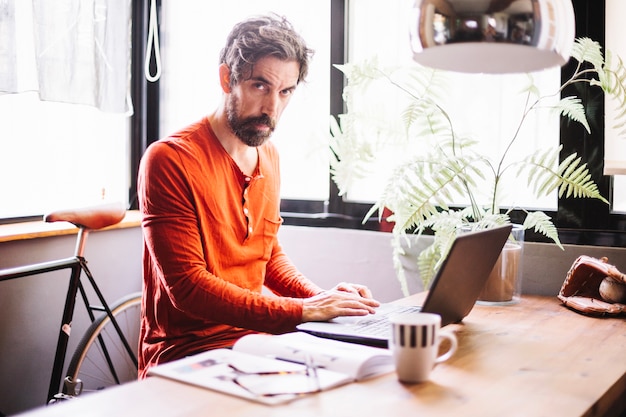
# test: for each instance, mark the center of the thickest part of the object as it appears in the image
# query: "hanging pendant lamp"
(492, 36)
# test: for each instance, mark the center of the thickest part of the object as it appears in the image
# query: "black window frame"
(580, 221)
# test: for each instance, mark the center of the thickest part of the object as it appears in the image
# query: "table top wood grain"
(535, 358)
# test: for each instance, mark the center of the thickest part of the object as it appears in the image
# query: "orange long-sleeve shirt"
(210, 245)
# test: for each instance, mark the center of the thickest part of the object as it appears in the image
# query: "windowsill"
(39, 229)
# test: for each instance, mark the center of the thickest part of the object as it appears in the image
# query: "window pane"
(619, 194)
(487, 108)
(614, 38)
(57, 155)
(193, 33)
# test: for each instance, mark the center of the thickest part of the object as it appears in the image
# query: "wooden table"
(536, 358)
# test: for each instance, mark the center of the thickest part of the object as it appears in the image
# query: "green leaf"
(540, 221)
(417, 188)
(531, 88)
(572, 178)
(572, 108)
(576, 181)
(426, 264)
(585, 49)
(398, 252)
(540, 169)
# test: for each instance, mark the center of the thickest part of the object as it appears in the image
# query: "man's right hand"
(334, 303)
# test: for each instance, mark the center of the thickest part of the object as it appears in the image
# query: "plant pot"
(504, 285)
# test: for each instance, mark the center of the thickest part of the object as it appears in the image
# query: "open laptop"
(452, 295)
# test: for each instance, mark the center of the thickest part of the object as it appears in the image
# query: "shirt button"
(245, 211)
(250, 230)
(248, 179)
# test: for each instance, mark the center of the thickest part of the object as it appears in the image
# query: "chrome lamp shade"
(492, 36)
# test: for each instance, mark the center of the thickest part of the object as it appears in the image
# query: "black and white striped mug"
(414, 343)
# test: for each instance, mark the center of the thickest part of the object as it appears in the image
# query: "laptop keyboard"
(378, 324)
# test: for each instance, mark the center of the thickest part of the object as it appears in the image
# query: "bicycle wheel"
(89, 369)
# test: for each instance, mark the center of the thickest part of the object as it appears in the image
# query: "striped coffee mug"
(414, 343)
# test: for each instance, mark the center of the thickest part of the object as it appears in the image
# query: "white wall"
(329, 255)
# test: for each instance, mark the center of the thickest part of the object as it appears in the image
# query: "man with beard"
(209, 198)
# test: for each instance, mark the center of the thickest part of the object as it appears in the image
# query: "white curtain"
(8, 47)
(614, 143)
(72, 51)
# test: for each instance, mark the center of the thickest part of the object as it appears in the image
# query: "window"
(485, 107)
(580, 221)
(55, 155)
(96, 145)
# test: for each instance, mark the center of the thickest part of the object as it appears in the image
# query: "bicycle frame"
(77, 264)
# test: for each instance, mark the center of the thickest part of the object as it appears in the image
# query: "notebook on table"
(452, 295)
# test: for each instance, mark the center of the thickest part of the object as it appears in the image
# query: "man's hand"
(343, 300)
(361, 290)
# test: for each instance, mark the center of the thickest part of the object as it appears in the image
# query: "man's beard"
(245, 129)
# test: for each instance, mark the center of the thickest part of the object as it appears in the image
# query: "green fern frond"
(422, 115)
(531, 87)
(426, 264)
(490, 220)
(611, 76)
(615, 87)
(607, 79)
(421, 82)
(397, 253)
(361, 74)
(350, 158)
(538, 167)
(446, 226)
(570, 177)
(424, 87)
(541, 223)
(572, 108)
(575, 180)
(419, 188)
(433, 124)
(447, 222)
(586, 49)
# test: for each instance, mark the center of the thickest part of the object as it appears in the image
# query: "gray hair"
(259, 37)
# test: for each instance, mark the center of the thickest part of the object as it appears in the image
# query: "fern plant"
(419, 190)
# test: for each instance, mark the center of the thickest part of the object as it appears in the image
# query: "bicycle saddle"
(90, 217)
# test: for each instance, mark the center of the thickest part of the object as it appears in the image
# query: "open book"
(273, 369)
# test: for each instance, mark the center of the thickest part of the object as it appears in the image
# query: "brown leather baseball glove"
(587, 289)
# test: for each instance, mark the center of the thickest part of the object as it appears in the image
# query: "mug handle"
(453, 346)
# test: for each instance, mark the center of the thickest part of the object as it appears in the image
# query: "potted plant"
(419, 191)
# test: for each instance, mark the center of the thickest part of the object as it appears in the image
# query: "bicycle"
(107, 352)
